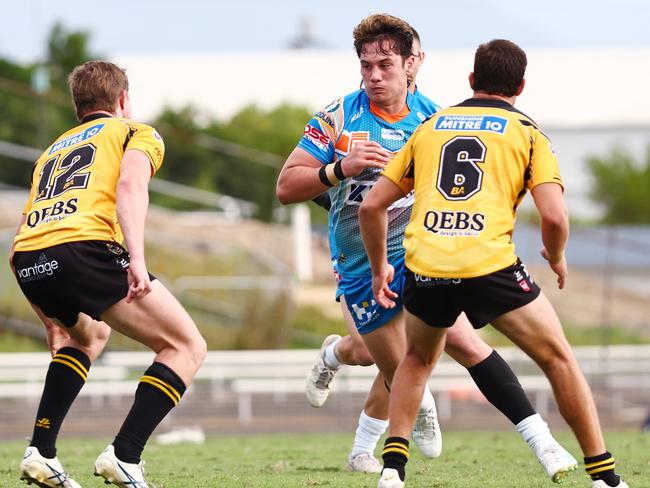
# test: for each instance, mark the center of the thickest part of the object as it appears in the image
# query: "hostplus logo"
(365, 311)
(41, 269)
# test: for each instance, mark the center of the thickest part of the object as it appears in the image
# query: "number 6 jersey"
(73, 193)
(470, 166)
(329, 136)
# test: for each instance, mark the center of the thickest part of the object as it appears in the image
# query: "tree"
(34, 119)
(622, 186)
(248, 175)
(66, 50)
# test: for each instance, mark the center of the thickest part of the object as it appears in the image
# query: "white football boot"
(320, 376)
(364, 463)
(426, 433)
(44, 472)
(602, 484)
(556, 461)
(124, 475)
(390, 479)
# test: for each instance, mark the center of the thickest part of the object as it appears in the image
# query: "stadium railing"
(281, 373)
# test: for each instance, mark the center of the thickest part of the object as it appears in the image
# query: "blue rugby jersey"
(328, 137)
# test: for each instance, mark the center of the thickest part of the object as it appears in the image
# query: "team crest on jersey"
(488, 123)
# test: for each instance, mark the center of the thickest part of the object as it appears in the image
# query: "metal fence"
(263, 391)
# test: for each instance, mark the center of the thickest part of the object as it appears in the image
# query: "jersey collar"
(485, 102)
(392, 118)
(91, 117)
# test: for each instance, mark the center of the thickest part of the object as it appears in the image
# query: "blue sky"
(173, 26)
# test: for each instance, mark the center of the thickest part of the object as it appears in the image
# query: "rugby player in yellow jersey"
(88, 187)
(491, 373)
(470, 165)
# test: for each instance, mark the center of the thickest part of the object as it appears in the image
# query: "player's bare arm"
(299, 180)
(132, 203)
(373, 224)
(549, 201)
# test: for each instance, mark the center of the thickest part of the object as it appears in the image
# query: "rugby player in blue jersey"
(344, 147)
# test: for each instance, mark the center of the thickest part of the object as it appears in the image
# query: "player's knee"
(467, 353)
(555, 354)
(197, 349)
(420, 358)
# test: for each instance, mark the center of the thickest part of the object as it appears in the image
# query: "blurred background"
(230, 86)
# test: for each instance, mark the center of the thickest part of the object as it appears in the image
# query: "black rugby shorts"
(439, 301)
(66, 279)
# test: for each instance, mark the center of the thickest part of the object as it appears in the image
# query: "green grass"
(470, 459)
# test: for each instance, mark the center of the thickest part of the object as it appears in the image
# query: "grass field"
(469, 459)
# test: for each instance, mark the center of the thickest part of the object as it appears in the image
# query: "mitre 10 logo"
(449, 223)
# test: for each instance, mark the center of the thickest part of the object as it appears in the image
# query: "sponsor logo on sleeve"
(318, 138)
(333, 106)
(489, 123)
(158, 137)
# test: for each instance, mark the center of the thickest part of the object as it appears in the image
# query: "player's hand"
(380, 286)
(559, 267)
(364, 154)
(138, 279)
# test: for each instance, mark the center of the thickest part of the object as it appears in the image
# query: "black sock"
(395, 455)
(601, 467)
(501, 387)
(159, 390)
(65, 377)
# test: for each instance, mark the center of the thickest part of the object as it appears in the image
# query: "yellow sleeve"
(147, 140)
(400, 169)
(544, 165)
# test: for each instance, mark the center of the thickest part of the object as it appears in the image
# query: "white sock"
(368, 433)
(331, 360)
(535, 432)
(427, 403)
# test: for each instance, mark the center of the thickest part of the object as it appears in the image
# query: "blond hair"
(96, 85)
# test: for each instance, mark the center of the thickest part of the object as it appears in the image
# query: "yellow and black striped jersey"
(470, 165)
(73, 193)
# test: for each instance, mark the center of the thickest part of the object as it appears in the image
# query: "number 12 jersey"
(73, 192)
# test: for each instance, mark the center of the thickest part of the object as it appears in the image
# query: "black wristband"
(338, 169)
(322, 175)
